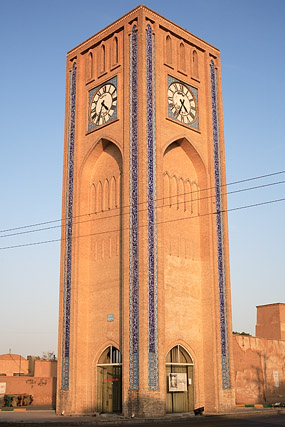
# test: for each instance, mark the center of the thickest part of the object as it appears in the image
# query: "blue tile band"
(151, 215)
(220, 237)
(133, 214)
(68, 232)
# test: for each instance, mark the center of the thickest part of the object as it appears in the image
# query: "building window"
(182, 57)
(89, 66)
(168, 50)
(102, 59)
(195, 64)
(115, 51)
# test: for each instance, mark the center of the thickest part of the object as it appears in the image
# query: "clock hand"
(99, 115)
(182, 105)
(103, 104)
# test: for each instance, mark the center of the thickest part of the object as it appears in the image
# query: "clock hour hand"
(103, 105)
(183, 105)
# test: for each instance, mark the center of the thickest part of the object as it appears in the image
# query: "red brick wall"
(45, 368)
(259, 370)
(43, 390)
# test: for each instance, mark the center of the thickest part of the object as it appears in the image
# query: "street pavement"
(246, 417)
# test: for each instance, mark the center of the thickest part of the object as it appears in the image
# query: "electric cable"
(142, 210)
(159, 199)
(145, 225)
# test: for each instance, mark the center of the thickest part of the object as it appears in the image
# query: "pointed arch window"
(195, 64)
(115, 51)
(168, 50)
(89, 66)
(182, 66)
(102, 59)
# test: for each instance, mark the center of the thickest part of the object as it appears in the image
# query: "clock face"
(103, 104)
(182, 103)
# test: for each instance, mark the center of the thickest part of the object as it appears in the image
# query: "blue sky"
(35, 37)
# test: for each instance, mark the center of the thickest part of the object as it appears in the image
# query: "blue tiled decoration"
(194, 92)
(220, 237)
(91, 125)
(68, 232)
(133, 214)
(151, 215)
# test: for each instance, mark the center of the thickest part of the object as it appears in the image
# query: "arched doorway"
(109, 381)
(180, 381)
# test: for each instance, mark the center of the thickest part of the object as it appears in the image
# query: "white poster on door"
(276, 378)
(177, 382)
(2, 388)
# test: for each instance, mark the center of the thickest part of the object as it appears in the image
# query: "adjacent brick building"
(260, 361)
(28, 377)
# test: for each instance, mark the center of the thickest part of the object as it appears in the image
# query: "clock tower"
(145, 310)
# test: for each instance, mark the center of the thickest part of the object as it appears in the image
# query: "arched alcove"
(184, 228)
(100, 253)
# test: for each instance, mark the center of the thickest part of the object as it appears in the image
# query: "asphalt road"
(48, 419)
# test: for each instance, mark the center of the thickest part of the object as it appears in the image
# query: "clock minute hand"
(99, 115)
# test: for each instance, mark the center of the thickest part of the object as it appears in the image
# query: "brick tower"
(145, 312)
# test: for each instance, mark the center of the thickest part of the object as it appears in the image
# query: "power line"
(158, 223)
(142, 210)
(157, 200)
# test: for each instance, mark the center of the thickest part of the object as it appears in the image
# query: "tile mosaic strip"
(220, 237)
(68, 232)
(151, 215)
(133, 215)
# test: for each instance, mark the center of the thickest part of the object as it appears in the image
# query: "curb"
(259, 405)
(9, 409)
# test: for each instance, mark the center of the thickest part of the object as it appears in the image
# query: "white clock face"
(182, 103)
(103, 104)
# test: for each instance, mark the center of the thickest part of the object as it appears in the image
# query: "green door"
(179, 361)
(109, 381)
